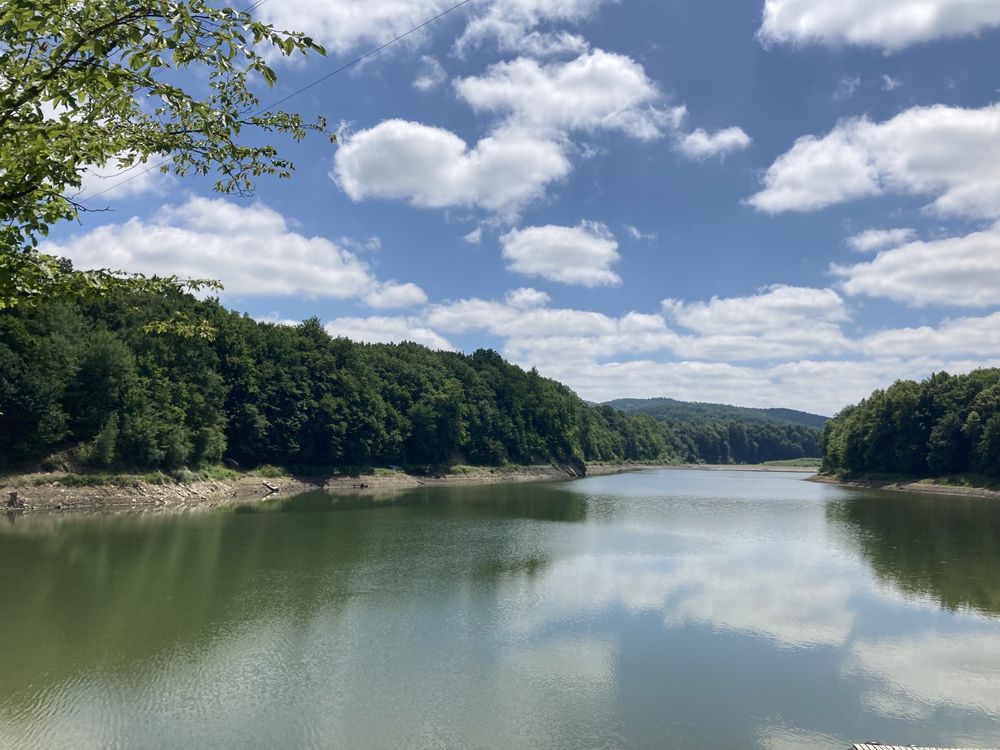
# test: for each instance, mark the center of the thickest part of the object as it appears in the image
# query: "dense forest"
(722, 434)
(941, 426)
(671, 410)
(93, 386)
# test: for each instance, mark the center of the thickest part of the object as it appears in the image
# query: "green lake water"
(662, 609)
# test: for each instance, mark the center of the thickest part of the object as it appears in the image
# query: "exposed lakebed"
(684, 609)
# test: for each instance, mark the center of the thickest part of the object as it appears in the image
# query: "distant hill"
(671, 410)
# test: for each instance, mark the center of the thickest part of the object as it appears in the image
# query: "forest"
(140, 382)
(672, 410)
(944, 425)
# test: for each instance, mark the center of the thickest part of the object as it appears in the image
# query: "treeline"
(943, 425)
(89, 382)
(671, 410)
(735, 442)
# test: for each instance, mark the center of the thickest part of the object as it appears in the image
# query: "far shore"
(63, 492)
(927, 487)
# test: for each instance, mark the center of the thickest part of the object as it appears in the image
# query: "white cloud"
(888, 24)
(872, 240)
(776, 308)
(526, 298)
(703, 145)
(958, 271)
(504, 320)
(947, 152)
(509, 21)
(550, 44)
(596, 91)
(431, 75)
(248, 247)
(889, 83)
(434, 168)
(343, 25)
(580, 255)
(779, 322)
(959, 336)
(819, 386)
(387, 330)
(474, 237)
(392, 294)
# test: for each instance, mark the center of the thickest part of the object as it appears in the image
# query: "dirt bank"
(927, 488)
(62, 492)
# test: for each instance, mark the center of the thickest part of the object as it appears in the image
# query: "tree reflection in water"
(946, 548)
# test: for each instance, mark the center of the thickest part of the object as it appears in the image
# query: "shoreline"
(45, 493)
(926, 488)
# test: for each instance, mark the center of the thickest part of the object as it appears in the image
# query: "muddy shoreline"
(47, 493)
(926, 488)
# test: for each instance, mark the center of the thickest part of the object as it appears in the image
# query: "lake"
(661, 609)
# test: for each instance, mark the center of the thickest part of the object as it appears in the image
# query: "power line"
(308, 86)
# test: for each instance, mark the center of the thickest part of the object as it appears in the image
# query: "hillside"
(88, 385)
(671, 410)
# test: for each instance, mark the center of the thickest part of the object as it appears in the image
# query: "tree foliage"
(943, 425)
(102, 85)
(87, 380)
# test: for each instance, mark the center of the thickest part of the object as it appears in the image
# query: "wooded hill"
(671, 410)
(721, 434)
(91, 382)
(941, 426)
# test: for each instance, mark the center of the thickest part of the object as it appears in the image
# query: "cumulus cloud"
(387, 330)
(596, 91)
(434, 168)
(580, 255)
(771, 310)
(950, 153)
(343, 25)
(953, 337)
(526, 298)
(958, 271)
(250, 248)
(538, 106)
(887, 24)
(703, 145)
(508, 22)
(819, 386)
(778, 322)
(872, 240)
(392, 294)
(552, 44)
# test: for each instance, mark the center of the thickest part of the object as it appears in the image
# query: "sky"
(757, 202)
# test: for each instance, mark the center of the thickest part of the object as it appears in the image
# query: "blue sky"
(787, 203)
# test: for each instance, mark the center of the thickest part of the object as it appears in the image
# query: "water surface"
(682, 609)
